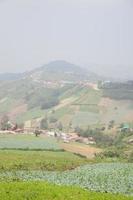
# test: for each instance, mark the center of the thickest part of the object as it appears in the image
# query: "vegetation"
(39, 160)
(118, 90)
(39, 191)
(114, 177)
(101, 139)
(44, 124)
(4, 125)
(28, 142)
(53, 94)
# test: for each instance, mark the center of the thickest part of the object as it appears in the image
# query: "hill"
(62, 71)
(66, 93)
(39, 88)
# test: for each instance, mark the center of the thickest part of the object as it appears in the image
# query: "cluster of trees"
(44, 98)
(4, 123)
(99, 136)
(116, 85)
(46, 124)
(49, 103)
(117, 90)
(120, 94)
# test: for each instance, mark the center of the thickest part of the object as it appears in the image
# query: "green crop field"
(39, 160)
(111, 178)
(28, 142)
(41, 191)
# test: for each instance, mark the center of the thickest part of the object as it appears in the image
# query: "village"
(33, 128)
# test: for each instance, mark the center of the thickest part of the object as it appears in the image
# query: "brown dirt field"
(83, 150)
(105, 102)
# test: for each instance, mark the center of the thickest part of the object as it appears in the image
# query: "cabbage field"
(29, 166)
(112, 178)
(28, 142)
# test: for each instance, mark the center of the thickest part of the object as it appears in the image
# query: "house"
(51, 133)
(130, 141)
(126, 128)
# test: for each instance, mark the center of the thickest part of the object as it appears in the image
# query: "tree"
(111, 124)
(53, 119)
(60, 126)
(78, 130)
(37, 132)
(70, 124)
(44, 124)
(5, 125)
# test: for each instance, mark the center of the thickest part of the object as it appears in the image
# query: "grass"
(28, 142)
(41, 191)
(30, 114)
(83, 119)
(39, 160)
(7, 105)
(89, 96)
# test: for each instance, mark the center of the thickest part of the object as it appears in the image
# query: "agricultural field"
(30, 114)
(111, 178)
(38, 191)
(89, 107)
(28, 142)
(81, 149)
(30, 165)
(39, 160)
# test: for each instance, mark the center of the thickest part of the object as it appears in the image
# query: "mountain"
(62, 71)
(65, 92)
(40, 88)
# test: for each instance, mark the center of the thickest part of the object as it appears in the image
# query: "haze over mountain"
(95, 33)
(54, 71)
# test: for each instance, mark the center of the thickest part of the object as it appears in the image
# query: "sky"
(97, 34)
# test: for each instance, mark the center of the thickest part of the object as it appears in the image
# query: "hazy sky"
(85, 32)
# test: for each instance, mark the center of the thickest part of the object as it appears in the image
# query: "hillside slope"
(65, 92)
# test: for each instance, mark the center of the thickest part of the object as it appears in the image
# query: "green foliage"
(44, 98)
(101, 138)
(118, 94)
(44, 124)
(60, 126)
(40, 191)
(52, 119)
(130, 157)
(4, 122)
(111, 153)
(118, 90)
(49, 103)
(37, 132)
(111, 124)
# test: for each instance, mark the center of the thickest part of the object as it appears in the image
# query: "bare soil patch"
(83, 150)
